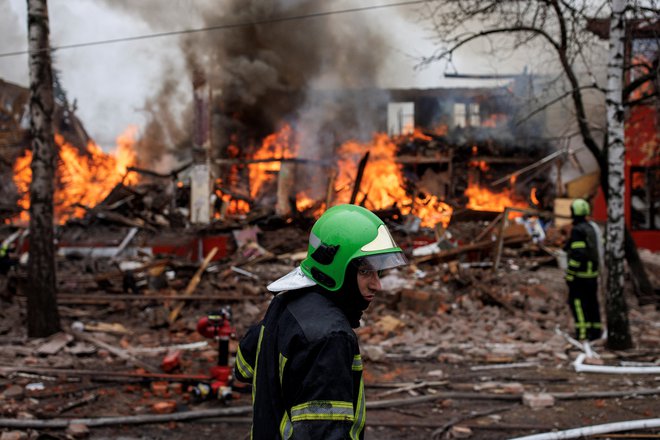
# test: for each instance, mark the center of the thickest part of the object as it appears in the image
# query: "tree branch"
(553, 101)
(507, 30)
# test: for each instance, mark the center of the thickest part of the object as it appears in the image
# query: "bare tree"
(561, 26)
(42, 315)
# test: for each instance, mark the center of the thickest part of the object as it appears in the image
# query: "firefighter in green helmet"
(583, 259)
(303, 358)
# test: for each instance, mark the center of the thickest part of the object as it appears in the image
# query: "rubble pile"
(122, 354)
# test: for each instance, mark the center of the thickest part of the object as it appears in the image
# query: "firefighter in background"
(303, 358)
(583, 258)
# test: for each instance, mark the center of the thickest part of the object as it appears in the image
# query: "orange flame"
(278, 145)
(533, 198)
(481, 164)
(483, 199)
(382, 182)
(83, 178)
(494, 120)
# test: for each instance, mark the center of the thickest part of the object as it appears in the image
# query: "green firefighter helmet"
(345, 234)
(580, 208)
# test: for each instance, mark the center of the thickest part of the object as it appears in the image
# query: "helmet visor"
(381, 261)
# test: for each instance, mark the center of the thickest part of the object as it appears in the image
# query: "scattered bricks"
(130, 388)
(176, 388)
(13, 392)
(389, 324)
(160, 389)
(419, 301)
(600, 403)
(172, 361)
(164, 407)
(77, 430)
(513, 388)
(540, 400)
(446, 403)
(13, 435)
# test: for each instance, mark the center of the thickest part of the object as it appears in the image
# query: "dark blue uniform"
(304, 363)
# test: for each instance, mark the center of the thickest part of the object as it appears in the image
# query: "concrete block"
(540, 400)
(77, 430)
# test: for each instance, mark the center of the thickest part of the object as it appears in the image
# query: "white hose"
(594, 430)
(582, 368)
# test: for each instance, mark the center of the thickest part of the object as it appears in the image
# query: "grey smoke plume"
(303, 72)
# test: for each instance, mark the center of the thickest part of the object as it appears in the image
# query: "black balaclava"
(577, 219)
(349, 299)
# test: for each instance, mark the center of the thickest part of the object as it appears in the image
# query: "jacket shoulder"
(319, 317)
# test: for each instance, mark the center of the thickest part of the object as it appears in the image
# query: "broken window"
(645, 198)
(460, 114)
(400, 118)
(475, 117)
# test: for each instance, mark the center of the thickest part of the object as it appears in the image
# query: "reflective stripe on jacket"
(582, 252)
(304, 364)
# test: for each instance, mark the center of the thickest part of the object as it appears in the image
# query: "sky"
(111, 83)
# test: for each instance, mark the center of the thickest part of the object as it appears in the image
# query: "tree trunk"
(617, 314)
(42, 316)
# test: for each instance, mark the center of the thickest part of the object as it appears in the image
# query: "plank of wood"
(116, 351)
(192, 285)
(54, 344)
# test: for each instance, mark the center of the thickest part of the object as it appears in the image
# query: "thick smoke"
(303, 72)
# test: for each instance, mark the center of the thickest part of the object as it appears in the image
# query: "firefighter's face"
(369, 284)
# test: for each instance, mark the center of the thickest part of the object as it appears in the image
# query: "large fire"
(381, 186)
(83, 178)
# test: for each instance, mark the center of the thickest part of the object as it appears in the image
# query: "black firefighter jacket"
(582, 251)
(304, 364)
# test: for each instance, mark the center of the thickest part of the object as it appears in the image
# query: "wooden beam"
(192, 285)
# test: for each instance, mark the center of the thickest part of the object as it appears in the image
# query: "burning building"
(85, 173)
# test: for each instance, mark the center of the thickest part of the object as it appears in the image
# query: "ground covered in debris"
(452, 348)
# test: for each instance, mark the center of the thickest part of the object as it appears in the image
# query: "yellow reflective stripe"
(580, 324)
(323, 410)
(360, 414)
(596, 325)
(578, 245)
(256, 362)
(286, 428)
(357, 363)
(283, 360)
(243, 366)
(573, 263)
(569, 277)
